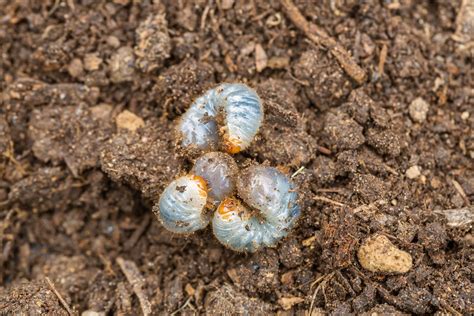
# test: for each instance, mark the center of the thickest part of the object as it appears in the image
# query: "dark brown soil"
(76, 189)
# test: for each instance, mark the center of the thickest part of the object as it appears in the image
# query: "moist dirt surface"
(390, 157)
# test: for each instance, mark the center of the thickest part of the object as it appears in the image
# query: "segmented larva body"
(233, 111)
(197, 126)
(220, 171)
(182, 205)
(228, 118)
(271, 194)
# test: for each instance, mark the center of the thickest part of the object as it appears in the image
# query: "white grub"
(242, 112)
(268, 192)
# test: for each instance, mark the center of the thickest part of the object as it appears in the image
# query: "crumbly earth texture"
(76, 190)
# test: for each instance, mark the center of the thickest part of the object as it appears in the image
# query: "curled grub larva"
(220, 171)
(182, 205)
(272, 196)
(235, 227)
(265, 207)
(197, 126)
(242, 115)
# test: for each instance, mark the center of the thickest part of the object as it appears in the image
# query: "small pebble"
(419, 110)
(75, 68)
(129, 121)
(92, 62)
(378, 254)
(413, 172)
(435, 183)
(101, 111)
(113, 41)
(261, 59)
(287, 302)
(423, 179)
(464, 115)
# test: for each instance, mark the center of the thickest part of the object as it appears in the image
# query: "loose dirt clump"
(178, 86)
(325, 83)
(226, 300)
(283, 139)
(32, 298)
(136, 158)
(368, 107)
(153, 43)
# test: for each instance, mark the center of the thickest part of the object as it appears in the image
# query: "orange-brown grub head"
(202, 185)
(232, 145)
(226, 207)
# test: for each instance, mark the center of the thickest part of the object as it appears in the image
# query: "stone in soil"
(341, 132)
(378, 254)
(129, 120)
(419, 110)
(413, 172)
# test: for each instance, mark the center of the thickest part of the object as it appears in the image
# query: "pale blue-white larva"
(220, 171)
(271, 194)
(182, 205)
(226, 117)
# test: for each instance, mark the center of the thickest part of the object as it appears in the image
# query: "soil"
(77, 190)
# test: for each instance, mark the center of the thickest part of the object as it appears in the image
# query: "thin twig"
(319, 36)
(297, 172)
(322, 283)
(304, 83)
(328, 200)
(331, 190)
(204, 17)
(60, 298)
(54, 8)
(382, 60)
(187, 303)
(460, 190)
(448, 307)
(323, 150)
(134, 277)
(130, 243)
(390, 169)
(365, 207)
(9, 153)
